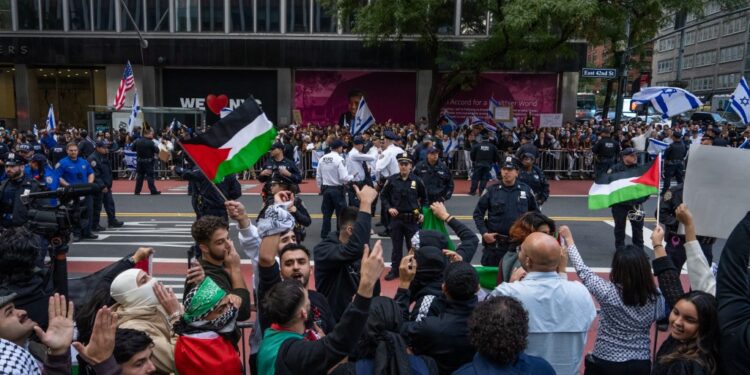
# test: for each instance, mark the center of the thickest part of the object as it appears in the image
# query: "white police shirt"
(387, 165)
(354, 164)
(332, 170)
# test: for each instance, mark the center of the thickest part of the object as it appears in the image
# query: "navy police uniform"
(674, 162)
(536, 181)
(621, 211)
(146, 151)
(14, 213)
(103, 179)
(483, 157)
(274, 165)
(205, 199)
(606, 151)
(436, 178)
(502, 205)
(407, 195)
(76, 172)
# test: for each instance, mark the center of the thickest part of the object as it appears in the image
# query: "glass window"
(80, 14)
(268, 16)
(136, 11)
(666, 44)
(6, 22)
(69, 90)
(241, 16)
(665, 66)
(732, 53)
(690, 37)
(711, 7)
(703, 83)
(298, 16)
(446, 16)
(687, 62)
(52, 14)
(212, 15)
(725, 81)
(708, 33)
(187, 15)
(157, 16)
(705, 58)
(324, 21)
(7, 92)
(104, 15)
(735, 26)
(473, 18)
(28, 15)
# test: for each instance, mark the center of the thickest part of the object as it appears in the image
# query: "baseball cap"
(39, 158)
(359, 141)
(510, 162)
(14, 159)
(102, 143)
(432, 149)
(24, 147)
(390, 135)
(528, 155)
(277, 145)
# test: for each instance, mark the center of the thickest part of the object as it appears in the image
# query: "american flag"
(127, 83)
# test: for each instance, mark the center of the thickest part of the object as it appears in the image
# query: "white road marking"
(629, 232)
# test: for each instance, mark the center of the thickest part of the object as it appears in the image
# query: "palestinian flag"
(624, 186)
(234, 143)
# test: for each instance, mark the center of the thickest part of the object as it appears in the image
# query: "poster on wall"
(550, 120)
(526, 93)
(321, 96)
(213, 90)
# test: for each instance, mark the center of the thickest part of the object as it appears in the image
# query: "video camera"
(55, 223)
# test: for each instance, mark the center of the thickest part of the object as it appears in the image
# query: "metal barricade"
(567, 163)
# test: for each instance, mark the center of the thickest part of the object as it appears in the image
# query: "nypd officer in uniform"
(630, 210)
(12, 210)
(146, 151)
(358, 164)
(103, 179)
(385, 167)
(674, 161)
(39, 170)
(532, 175)
(605, 151)
(205, 199)
(332, 177)
(502, 204)
(56, 153)
(75, 171)
(483, 156)
(436, 177)
(3, 155)
(279, 164)
(403, 196)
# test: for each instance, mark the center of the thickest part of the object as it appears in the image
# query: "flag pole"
(658, 193)
(216, 188)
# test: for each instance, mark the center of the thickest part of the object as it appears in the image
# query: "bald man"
(560, 311)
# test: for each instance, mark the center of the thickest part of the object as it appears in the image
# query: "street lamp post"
(623, 73)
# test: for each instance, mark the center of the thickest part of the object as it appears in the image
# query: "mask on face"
(125, 290)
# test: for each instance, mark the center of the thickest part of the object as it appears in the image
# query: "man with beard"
(294, 263)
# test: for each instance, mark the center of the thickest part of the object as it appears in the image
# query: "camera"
(55, 223)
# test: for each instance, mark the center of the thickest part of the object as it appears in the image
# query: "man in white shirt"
(560, 311)
(387, 166)
(331, 177)
(357, 163)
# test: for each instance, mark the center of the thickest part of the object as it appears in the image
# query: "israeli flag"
(741, 101)
(316, 155)
(451, 125)
(477, 121)
(669, 101)
(50, 120)
(130, 160)
(656, 146)
(745, 145)
(466, 123)
(36, 131)
(133, 113)
(174, 125)
(493, 104)
(363, 119)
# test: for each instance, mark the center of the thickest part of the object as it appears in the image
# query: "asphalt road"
(163, 222)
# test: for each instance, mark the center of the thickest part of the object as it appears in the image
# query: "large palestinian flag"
(620, 187)
(234, 143)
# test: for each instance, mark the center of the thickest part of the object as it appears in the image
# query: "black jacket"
(445, 338)
(437, 180)
(503, 205)
(317, 357)
(734, 303)
(102, 170)
(620, 167)
(536, 181)
(337, 265)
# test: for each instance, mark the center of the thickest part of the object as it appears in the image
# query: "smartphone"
(190, 257)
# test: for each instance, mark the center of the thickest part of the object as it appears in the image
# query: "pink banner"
(322, 95)
(526, 93)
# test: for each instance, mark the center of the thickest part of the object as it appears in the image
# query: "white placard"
(503, 113)
(715, 190)
(550, 120)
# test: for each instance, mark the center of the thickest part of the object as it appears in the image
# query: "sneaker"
(116, 224)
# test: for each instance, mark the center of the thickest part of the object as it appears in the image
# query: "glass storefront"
(212, 16)
(157, 15)
(104, 14)
(269, 13)
(135, 7)
(52, 14)
(298, 16)
(71, 91)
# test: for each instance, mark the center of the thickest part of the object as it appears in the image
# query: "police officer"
(503, 203)
(385, 167)
(674, 162)
(483, 157)
(358, 164)
(331, 177)
(39, 170)
(403, 197)
(25, 151)
(146, 152)
(675, 241)
(205, 199)
(56, 153)
(605, 151)
(302, 218)
(14, 213)
(532, 175)
(3, 154)
(278, 163)
(75, 171)
(103, 179)
(630, 210)
(436, 177)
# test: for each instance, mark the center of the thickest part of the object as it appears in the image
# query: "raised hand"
(195, 274)
(167, 299)
(59, 332)
(102, 342)
(407, 270)
(371, 269)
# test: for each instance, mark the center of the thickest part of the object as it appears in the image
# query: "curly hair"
(498, 329)
(204, 228)
(19, 251)
(527, 224)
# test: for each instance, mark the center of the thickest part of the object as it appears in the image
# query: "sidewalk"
(560, 188)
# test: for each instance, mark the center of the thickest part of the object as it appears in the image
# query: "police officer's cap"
(14, 159)
(390, 135)
(404, 158)
(431, 150)
(277, 145)
(337, 143)
(528, 137)
(3, 150)
(39, 158)
(102, 143)
(510, 163)
(627, 151)
(528, 155)
(359, 140)
(24, 147)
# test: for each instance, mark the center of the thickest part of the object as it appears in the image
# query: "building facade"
(708, 57)
(71, 54)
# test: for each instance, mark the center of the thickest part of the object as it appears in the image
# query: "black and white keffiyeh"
(15, 360)
(276, 220)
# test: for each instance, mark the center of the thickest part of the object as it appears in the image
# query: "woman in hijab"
(381, 349)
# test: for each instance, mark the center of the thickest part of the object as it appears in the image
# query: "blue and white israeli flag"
(50, 120)
(363, 119)
(740, 102)
(669, 101)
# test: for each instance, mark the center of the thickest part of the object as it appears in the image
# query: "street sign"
(598, 73)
